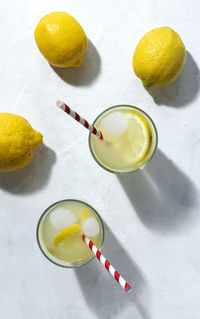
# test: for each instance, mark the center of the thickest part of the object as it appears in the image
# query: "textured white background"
(152, 217)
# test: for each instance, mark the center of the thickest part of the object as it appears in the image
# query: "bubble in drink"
(90, 227)
(63, 218)
(115, 124)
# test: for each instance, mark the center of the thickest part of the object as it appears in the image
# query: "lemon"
(138, 134)
(66, 233)
(84, 214)
(159, 57)
(18, 141)
(61, 39)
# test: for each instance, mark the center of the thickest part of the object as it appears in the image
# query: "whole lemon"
(18, 141)
(159, 57)
(61, 39)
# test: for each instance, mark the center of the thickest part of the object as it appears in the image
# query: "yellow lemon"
(66, 233)
(18, 141)
(159, 57)
(61, 39)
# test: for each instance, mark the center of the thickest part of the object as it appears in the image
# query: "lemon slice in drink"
(84, 214)
(138, 136)
(66, 233)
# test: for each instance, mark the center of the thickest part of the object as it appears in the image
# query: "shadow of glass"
(86, 73)
(34, 176)
(162, 195)
(183, 90)
(103, 295)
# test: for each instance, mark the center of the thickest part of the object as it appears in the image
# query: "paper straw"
(79, 119)
(121, 281)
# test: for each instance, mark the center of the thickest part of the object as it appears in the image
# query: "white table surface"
(151, 217)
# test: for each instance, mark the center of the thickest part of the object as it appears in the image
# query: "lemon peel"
(85, 214)
(139, 134)
(66, 233)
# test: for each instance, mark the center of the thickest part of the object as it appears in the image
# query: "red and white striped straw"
(121, 281)
(79, 119)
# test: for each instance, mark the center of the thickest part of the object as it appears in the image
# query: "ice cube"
(62, 218)
(90, 227)
(115, 123)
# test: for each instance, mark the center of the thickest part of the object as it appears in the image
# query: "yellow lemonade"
(59, 232)
(130, 139)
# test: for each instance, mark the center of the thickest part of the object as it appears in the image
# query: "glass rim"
(38, 228)
(132, 170)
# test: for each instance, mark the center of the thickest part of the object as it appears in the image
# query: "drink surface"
(129, 139)
(62, 217)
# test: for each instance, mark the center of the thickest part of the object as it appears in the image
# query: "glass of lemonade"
(130, 139)
(55, 234)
